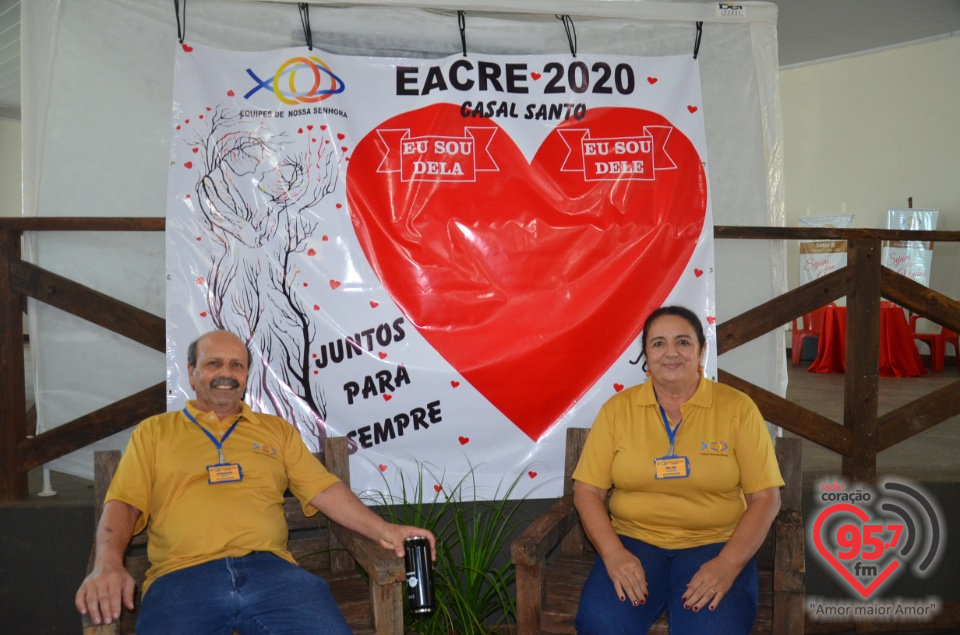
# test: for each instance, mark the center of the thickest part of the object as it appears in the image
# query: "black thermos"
(419, 574)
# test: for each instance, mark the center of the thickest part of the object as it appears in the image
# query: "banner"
(447, 261)
(911, 258)
(820, 257)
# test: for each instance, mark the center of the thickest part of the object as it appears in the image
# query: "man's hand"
(109, 583)
(392, 537)
(101, 593)
(341, 505)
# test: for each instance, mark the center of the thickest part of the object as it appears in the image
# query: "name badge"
(224, 473)
(671, 466)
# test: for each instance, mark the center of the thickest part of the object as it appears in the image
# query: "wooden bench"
(549, 582)
(371, 604)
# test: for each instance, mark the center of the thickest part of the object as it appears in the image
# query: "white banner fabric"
(447, 261)
(911, 258)
(820, 257)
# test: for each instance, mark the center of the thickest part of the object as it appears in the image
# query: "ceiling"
(808, 31)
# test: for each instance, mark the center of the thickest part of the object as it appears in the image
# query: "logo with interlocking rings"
(299, 80)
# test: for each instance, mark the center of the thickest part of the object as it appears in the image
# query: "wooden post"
(13, 413)
(861, 383)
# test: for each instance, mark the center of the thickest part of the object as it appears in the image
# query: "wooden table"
(898, 353)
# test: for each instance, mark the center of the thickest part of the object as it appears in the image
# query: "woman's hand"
(624, 569)
(715, 577)
(627, 575)
(710, 584)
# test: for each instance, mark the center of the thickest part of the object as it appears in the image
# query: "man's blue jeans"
(668, 571)
(258, 594)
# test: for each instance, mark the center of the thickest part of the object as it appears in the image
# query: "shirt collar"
(703, 398)
(209, 418)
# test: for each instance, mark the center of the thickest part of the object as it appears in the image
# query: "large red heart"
(865, 591)
(529, 279)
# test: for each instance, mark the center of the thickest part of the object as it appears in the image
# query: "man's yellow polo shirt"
(730, 453)
(163, 473)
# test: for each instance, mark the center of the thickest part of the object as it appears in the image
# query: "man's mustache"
(225, 381)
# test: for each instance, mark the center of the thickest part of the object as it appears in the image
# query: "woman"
(695, 489)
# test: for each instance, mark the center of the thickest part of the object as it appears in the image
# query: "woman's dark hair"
(678, 311)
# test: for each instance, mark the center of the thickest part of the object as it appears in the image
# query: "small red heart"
(316, 307)
(306, 284)
(199, 239)
(186, 121)
(618, 387)
(311, 252)
(178, 127)
(454, 383)
(341, 136)
(437, 488)
(309, 127)
(698, 272)
(339, 205)
(314, 356)
(199, 280)
(187, 48)
(313, 139)
(711, 319)
(325, 238)
(201, 116)
(323, 127)
(652, 80)
(334, 284)
(383, 468)
(382, 355)
(316, 372)
(535, 75)
(692, 109)
(532, 474)
(209, 108)
(188, 164)
(300, 130)
(374, 304)
(230, 93)
(464, 440)
(387, 397)
(187, 197)
(203, 314)
(196, 150)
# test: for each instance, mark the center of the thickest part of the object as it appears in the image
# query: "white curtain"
(96, 112)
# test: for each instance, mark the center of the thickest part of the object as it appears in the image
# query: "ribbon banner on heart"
(448, 261)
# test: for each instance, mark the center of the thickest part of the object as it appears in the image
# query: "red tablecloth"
(898, 352)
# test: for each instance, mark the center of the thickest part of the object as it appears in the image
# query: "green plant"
(472, 575)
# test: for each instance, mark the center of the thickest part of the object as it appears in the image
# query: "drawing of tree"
(257, 192)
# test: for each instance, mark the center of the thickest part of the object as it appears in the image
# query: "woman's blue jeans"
(668, 571)
(257, 594)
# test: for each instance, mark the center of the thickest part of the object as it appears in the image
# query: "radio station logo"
(868, 537)
(299, 80)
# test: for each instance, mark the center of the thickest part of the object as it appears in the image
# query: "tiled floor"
(931, 456)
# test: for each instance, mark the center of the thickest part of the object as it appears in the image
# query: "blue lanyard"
(671, 432)
(219, 443)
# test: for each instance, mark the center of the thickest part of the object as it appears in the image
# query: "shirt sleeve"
(306, 474)
(596, 461)
(755, 454)
(131, 483)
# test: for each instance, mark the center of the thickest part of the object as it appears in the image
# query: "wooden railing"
(858, 438)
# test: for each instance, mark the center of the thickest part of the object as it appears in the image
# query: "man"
(210, 480)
